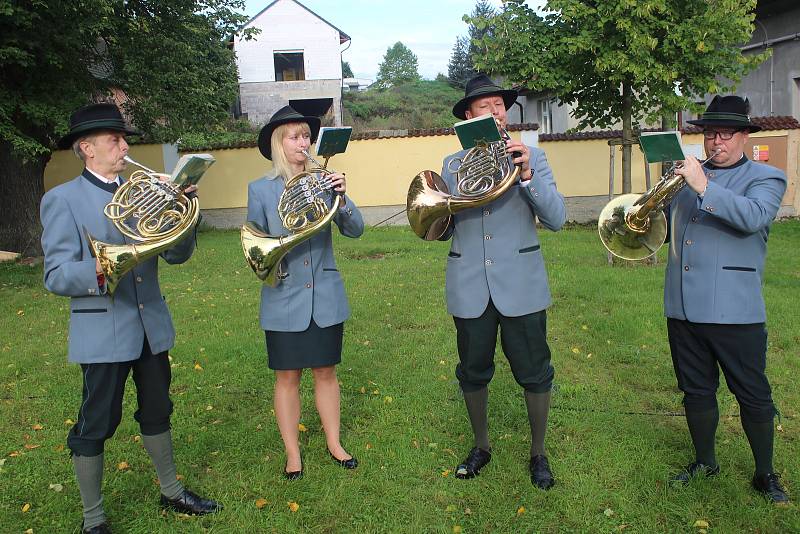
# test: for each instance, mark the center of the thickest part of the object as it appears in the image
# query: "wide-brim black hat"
(104, 116)
(729, 111)
(283, 116)
(482, 85)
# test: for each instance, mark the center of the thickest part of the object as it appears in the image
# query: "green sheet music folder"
(478, 129)
(333, 140)
(661, 146)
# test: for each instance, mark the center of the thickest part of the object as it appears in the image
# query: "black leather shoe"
(350, 463)
(770, 486)
(541, 476)
(190, 503)
(695, 469)
(102, 528)
(476, 460)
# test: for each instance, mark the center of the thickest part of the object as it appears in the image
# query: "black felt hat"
(284, 115)
(104, 116)
(482, 85)
(730, 111)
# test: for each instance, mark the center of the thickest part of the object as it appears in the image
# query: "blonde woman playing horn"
(303, 316)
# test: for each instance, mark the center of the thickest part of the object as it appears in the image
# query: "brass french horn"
(634, 227)
(151, 210)
(483, 175)
(304, 211)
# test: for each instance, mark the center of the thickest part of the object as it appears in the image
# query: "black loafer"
(350, 463)
(476, 460)
(102, 528)
(770, 486)
(695, 469)
(541, 476)
(191, 504)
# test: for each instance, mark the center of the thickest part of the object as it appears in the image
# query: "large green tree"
(461, 66)
(169, 58)
(621, 60)
(399, 66)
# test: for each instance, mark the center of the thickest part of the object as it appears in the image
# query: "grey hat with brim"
(284, 115)
(95, 117)
(482, 85)
(727, 111)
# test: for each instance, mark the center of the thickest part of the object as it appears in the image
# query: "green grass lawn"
(616, 430)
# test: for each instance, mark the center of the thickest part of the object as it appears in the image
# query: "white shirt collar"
(103, 178)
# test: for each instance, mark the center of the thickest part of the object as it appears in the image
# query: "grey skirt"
(313, 347)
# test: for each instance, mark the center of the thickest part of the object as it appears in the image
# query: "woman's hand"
(338, 182)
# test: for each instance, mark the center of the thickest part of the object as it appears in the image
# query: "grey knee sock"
(538, 405)
(477, 408)
(159, 447)
(89, 472)
(703, 429)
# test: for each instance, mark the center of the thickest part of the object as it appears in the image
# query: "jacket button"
(486, 213)
(139, 279)
(536, 194)
(308, 285)
(710, 208)
(305, 262)
(141, 306)
(685, 267)
(488, 262)
(694, 219)
(487, 237)
(688, 241)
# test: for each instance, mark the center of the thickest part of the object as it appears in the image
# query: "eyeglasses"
(725, 136)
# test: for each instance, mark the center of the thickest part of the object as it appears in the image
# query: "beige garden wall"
(379, 170)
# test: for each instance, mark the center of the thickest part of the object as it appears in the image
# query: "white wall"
(287, 26)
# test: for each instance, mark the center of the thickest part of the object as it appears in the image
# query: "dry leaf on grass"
(456, 529)
(26, 507)
(57, 487)
(293, 506)
(261, 503)
(122, 466)
(520, 510)
(700, 523)
(302, 428)
(198, 367)
(31, 446)
(37, 426)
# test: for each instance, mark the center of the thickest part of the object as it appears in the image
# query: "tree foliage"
(399, 66)
(168, 61)
(626, 60)
(461, 66)
(347, 72)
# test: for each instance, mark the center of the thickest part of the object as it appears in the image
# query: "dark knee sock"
(89, 472)
(538, 405)
(703, 430)
(761, 436)
(159, 447)
(477, 408)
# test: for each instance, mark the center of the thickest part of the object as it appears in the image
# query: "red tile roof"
(766, 123)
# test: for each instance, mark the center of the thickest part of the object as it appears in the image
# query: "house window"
(545, 116)
(289, 66)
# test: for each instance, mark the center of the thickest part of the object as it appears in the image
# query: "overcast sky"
(428, 27)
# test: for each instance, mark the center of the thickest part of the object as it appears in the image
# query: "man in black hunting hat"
(712, 294)
(111, 337)
(496, 279)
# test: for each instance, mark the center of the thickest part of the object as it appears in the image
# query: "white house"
(295, 59)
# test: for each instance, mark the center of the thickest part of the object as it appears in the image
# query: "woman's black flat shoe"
(350, 463)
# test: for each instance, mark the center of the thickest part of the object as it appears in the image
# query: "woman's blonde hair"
(279, 160)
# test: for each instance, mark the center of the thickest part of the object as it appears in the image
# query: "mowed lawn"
(616, 431)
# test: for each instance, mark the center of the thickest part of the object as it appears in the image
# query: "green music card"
(661, 146)
(333, 140)
(476, 130)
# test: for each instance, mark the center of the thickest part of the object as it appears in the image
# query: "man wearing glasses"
(712, 293)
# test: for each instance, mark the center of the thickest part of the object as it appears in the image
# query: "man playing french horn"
(111, 336)
(496, 278)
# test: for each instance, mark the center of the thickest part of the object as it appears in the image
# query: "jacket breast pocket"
(452, 254)
(532, 248)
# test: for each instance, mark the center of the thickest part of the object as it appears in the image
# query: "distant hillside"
(423, 104)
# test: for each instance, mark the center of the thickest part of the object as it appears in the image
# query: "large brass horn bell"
(152, 212)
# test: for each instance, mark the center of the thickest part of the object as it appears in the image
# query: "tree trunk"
(21, 190)
(627, 136)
